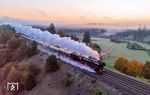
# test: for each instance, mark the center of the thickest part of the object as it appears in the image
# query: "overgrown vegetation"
(25, 74)
(15, 50)
(51, 64)
(6, 32)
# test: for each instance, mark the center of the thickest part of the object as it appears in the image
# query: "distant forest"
(140, 35)
(79, 32)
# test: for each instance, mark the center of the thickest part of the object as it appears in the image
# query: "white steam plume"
(54, 39)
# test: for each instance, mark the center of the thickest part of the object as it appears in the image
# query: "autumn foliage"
(25, 74)
(133, 67)
(121, 64)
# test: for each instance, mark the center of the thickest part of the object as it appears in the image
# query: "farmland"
(121, 50)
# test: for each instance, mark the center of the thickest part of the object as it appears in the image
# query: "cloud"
(41, 12)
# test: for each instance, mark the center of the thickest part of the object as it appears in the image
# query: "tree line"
(140, 35)
(133, 67)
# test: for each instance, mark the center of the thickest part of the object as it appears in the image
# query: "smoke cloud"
(54, 39)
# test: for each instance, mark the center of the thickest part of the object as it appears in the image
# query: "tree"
(51, 64)
(87, 37)
(52, 29)
(121, 64)
(134, 68)
(146, 70)
(96, 47)
(74, 37)
(61, 33)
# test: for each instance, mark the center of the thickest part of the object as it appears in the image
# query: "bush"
(97, 91)
(14, 75)
(29, 72)
(146, 70)
(68, 81)
(28, 80)
(51, 64)
(7, 69)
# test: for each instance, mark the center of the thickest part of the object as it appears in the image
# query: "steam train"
(89, 61)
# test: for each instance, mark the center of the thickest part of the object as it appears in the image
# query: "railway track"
(125, 84)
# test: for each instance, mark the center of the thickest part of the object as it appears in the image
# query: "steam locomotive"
(89, 61)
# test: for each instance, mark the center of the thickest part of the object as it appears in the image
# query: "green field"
(121, 50)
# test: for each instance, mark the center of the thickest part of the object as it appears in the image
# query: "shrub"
(7, 69)
(29, 72)
(68, 81)
(97, 91)
(51, 64)
(28, 80)
(14, 75)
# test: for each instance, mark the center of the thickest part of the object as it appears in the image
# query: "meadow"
(121, 50)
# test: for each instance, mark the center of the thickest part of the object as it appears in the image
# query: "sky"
(79, 11)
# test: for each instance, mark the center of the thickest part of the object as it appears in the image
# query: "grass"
(121, 50)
